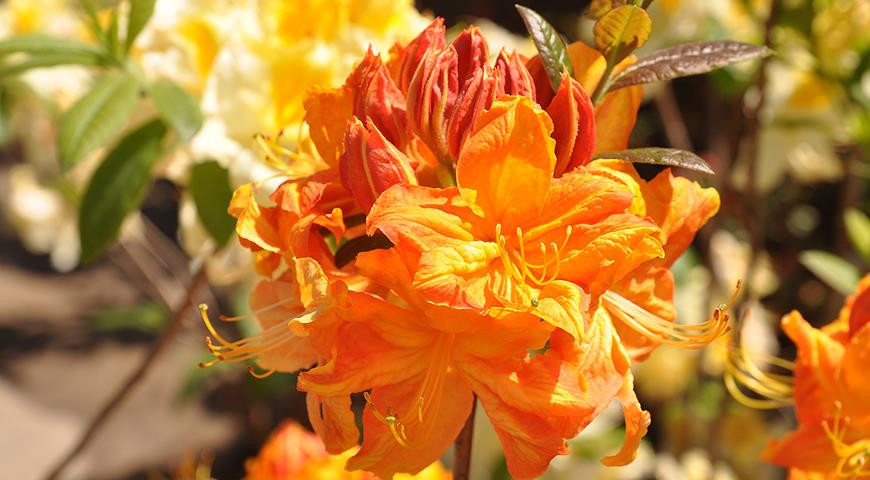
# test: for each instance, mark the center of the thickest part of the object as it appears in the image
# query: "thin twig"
(169, 332)
(462, 447)
(753, 211)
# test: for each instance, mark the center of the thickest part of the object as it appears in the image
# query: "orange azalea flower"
(829, 389)
(291, 453)
(512, 236)
(419, 364)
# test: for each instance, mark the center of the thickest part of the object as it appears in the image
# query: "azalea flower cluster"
(828, 388)
(458, 241)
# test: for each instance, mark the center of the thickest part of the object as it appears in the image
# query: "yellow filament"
(245, 349)
(656, 328)
(853, 458)
(427, 396)
(282, 158)
(741, 372)
(518, 267)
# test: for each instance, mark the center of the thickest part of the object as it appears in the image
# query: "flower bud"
(515, 76)
(377, 97)
(371, 164)
(543, 90)
(430, 39)
(431, 99)
(574, 126)
(478, 95)
(472, 53)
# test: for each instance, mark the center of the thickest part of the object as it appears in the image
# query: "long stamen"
(854, 458)
(741, 372)
(654, 327)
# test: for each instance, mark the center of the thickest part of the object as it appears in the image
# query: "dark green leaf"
(118, 187)
(671, 157)
(44, 44)
(620, 32)
(858, 228)
(140, 13)
(839, 274)
(689, 59)
(47, 60)
(96, 117)
(177, 107)
(211, 191)
(551, 47)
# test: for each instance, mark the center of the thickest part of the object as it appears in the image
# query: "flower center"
(428, 395)
(853, 458)
(515, 257)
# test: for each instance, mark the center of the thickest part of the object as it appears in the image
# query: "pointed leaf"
(211, 191)
(688, 59)
(177, 107)
(858, 228)
(621, 31)
(551, 47)
(837, 273)
(118, 187)
(671, 157)
(96, 117)
(140, 13)
(44, 44)
(48, 60)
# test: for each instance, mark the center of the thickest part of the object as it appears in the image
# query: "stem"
(462, 447)
(603, 84)
(133, 380)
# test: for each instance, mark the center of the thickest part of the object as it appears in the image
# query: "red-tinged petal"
(255, 225)
(615, 117)
(378, 99)
(327, 110)
(637, 422)
(472, 53)
(478, 94)
(807, 448)
(515, 76)
(816, 369)
(431, 97)
(543, 90)
(381, 453)
(856, 310)
(853, 375)
(506, 165)
(430, 39)
(604, 253)
(418, 219)
(371, 164)
(574, 126)
(652, 289)
(332, 420)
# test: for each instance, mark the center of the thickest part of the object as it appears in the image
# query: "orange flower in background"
(510, 235)
(292, 453)
(831, 394)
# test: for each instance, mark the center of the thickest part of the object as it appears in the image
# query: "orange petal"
(807, 448)
(327, 110)
(854, 374)
(333, 420)
(457, 275)
(588, 65)
(857, 307)
(615, 116)
(506, 164)
(382, 455)
(255, 225)
(564, 305)
(651, 288)
(637, 422)
(574, 120)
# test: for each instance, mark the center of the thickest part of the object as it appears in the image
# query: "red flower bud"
(431, 99)
(516, 77)
(574, 126)
(376, 97)
(371, 164)
(472, 53)
(432, 38)
(543, 90)
(478, 95)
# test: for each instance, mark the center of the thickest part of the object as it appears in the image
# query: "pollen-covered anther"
(659, 329)
(853, 458)
(245, 349)
(391, 419)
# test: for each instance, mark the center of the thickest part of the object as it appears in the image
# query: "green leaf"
(211, 191)
(118, 187)
(551, 47)
(621, 31)
(96, 117)
(47, 60)
(93, 22)
(671, 157)
(148, 317)
(113, 41)
(688, 59)
(177, 107)
(44, 44)
(858, 229)
(597, 8)
(839, 274)
(140, 13)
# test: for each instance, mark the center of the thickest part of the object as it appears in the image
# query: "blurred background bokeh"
(789, 145)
